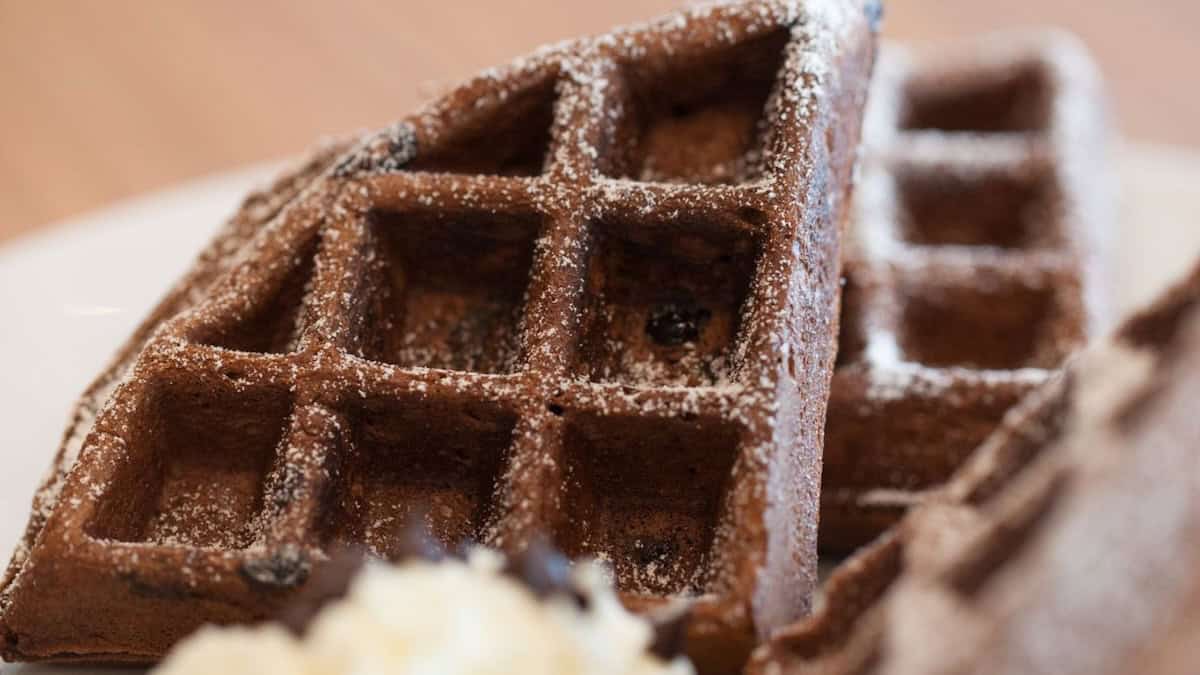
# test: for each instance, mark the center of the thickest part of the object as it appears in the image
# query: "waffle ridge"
(522, 309)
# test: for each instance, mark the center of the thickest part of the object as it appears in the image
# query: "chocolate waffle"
(592, 294)
(1069, 543)
(972, 273)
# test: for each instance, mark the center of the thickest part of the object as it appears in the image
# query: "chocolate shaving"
(670, 634)
(545, 571)
(329, 582)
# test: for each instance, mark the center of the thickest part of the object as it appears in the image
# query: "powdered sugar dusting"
(883, 257)
(333, 310)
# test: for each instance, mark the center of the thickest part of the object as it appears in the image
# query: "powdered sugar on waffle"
(323, 361)
(1070, 137)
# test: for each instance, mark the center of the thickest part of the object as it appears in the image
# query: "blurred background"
(104, 100)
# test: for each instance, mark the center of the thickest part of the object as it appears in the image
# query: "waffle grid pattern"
(460, 296)
(978, 225)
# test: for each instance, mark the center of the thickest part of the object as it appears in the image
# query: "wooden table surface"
(103, 100)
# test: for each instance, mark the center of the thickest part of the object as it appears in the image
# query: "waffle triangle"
(426, 316)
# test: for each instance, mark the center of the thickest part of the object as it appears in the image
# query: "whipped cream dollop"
(442, 618)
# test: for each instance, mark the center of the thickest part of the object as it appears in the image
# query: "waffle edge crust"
(592, 294)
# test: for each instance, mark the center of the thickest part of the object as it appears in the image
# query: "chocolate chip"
(283, 568)
(544, 571)
(653, 551)
(680, 110)
(673, 324)
(329, 582)
(670, 635)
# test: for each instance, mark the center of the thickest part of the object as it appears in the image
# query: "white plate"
(70, 295)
